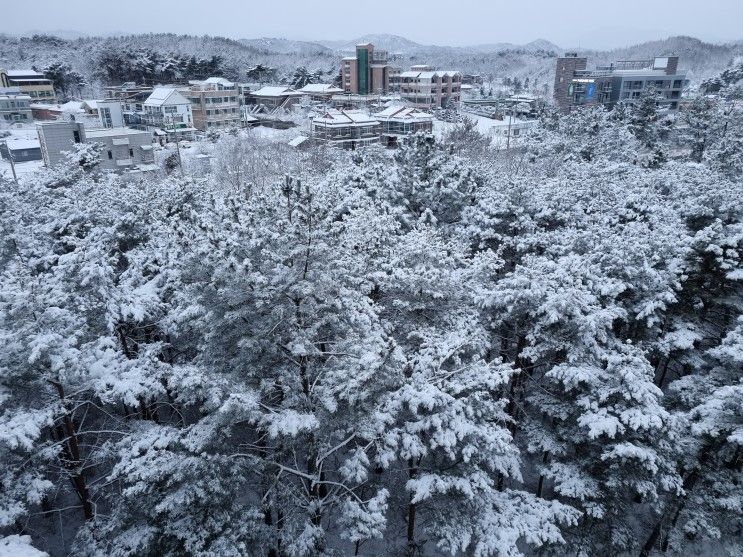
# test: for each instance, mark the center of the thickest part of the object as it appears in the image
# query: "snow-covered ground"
(22, 169)
(496, 130)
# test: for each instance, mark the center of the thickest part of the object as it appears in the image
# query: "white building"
(111, 113)
(123, 148)
(168, 110)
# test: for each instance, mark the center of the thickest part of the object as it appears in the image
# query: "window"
(131, 152)
(110, 155)
(677, 84)
(76, 136)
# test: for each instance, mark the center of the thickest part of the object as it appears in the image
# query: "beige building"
(215, 103)
(425, 87)
(367, 73)
(29, 82)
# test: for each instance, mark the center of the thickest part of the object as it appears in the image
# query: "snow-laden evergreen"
(442, 349)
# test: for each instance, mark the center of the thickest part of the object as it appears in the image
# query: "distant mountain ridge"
(534, 60)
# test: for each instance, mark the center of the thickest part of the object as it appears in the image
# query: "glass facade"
(362, 71)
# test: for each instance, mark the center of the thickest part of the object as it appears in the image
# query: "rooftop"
(403, 113)
(275, 92)
(333, 117)
(320, 88)
(24, 73)
(165, 95)
(112, 132)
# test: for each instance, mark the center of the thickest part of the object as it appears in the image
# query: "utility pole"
(508, 135)
(12, 166)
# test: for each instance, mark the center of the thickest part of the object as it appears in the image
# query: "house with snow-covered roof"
(320, 91)
(398, 121)
(166, 110)
(275, 97)
(346, 128)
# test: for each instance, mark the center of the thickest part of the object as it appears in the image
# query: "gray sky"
(568, 23)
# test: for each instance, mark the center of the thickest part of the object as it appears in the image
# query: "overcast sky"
(568, 23)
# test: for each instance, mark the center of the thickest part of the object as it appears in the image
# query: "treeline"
(441, 349)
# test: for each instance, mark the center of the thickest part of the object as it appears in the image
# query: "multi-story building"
(14, 106)
(111, 113)
(346, 128)
(123, 148)
(215, 103)
(167, 110)
(622, 81)
(366, 73)
(29, 82)
(425, 87)
(57, 138)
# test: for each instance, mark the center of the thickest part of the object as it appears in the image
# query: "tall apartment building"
(425, 87)
(215, 103)
(29, 82)
(622, 81)
(367, 73)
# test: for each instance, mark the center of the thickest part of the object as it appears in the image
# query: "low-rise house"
(346, 128)
(30, 82)
(124, 149)
(21, 150)
(168, 110)
(399, 121)
(215, 103)
(275, 97)
(14, 106)
(320, 91)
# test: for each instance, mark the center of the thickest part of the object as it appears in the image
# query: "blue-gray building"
(622, 81)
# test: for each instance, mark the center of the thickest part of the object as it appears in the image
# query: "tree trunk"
(413, 470)
(73, 462)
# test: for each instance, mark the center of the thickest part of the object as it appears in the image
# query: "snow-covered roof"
(72, 106)
(24, 73)
(165, 95)
(20, 144)
(333, 117)
(430, 74)
(220, 81)
(112, 132)
(275, 92)
(297, 141)
(403, 113)
(91, 104)
(321, 88)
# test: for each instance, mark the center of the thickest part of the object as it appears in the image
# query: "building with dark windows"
(622, 81)
(367, 73)
(31, 83)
